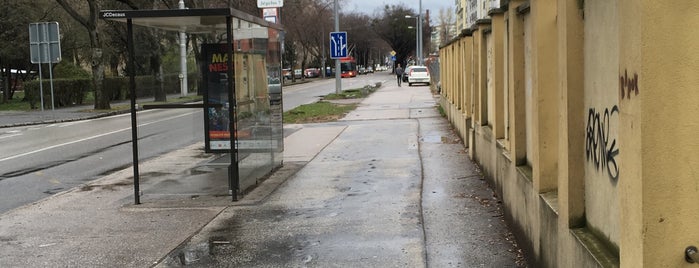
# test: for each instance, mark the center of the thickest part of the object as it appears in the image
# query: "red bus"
(348, 66)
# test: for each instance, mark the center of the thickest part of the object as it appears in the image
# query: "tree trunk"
(90, 23)
(159, 93)
(200, 68)
(101, 99)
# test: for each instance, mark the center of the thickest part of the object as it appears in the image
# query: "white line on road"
(9, 136)
(92, 137)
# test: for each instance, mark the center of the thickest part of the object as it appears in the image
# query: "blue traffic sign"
(338, 45)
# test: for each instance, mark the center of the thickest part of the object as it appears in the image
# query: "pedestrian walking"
(399, 73)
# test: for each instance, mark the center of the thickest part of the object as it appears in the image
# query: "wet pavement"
(390, 185)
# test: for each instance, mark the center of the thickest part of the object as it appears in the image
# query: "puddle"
(433, 139)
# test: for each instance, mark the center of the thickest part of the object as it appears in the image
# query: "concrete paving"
(390, 185)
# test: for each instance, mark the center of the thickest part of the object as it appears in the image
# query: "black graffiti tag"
(628, 84)
(598, 147)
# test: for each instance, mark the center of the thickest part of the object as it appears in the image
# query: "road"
(297, 95)
(42, 160)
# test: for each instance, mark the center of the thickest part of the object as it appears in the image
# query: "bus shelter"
(240, 63)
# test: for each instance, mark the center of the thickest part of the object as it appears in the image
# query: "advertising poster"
(217, 112)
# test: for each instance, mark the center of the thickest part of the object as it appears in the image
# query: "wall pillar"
(498, 30)
(659, 122)
(515, 72)
(571, 152)
(545, 95)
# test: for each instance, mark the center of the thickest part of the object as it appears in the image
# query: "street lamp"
(417, 44)
(418, 37)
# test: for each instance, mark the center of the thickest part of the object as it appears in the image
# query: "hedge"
(66, 92)
(69, 92)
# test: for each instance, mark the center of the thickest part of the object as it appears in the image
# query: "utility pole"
(183, 59)
(338, 82)
(322, 35)
(419, 35)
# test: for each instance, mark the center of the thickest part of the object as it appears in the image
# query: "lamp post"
(418, 36)
(417, 43)
(419, 33)
(183, 58)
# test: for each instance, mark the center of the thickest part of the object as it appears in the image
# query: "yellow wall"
(601, 118)
(606, 74)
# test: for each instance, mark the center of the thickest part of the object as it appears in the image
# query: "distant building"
(461, 14)
(442, 35)
(476, 10)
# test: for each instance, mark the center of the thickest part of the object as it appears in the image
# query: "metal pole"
(322, 35)
(41, 83)
(417, 40)
(338, 82)
(419, 29)
(50, 73)
(183, 58)
(134, 125)
(233, 174)
(48, 53)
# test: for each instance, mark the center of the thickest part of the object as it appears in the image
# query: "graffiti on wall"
(599, 149)
(628, 84)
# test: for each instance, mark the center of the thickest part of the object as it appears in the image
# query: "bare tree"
(97, 63)
(392, 27)
(304, 21)
(446, 22)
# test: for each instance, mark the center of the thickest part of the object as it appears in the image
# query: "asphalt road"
(42, 160)
(39, 161)
(300, 94)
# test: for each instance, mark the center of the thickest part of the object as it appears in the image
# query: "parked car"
(298, 73)
(312, 72)
(286, 73)
(405, 73)
(418, 74)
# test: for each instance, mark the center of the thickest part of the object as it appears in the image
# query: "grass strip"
(322, 111)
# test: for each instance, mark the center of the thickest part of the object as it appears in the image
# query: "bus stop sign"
(338, 45)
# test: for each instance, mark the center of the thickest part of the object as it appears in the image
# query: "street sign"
(270, 14)
(338, 45)
(269, 3)
(393, 58)
(44, 42)
(393, 52)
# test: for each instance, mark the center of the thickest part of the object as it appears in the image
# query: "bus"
(348, 66)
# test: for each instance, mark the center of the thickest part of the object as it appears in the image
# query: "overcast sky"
(370, 6)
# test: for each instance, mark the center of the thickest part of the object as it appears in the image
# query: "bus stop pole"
(134, 125)
(233, 179)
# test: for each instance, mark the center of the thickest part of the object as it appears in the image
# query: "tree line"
(99, 46)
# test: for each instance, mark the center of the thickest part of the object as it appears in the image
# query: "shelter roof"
(187, 20)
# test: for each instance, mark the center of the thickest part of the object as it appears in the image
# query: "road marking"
(92, 137)
(65, 124)
(9, 136)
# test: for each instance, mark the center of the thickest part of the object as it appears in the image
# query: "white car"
(418, 74)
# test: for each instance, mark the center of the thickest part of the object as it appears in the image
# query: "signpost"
(338, 82)
(45, 47)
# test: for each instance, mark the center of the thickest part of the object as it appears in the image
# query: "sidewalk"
(390, 185)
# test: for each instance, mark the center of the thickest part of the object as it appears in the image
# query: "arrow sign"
(338, 45)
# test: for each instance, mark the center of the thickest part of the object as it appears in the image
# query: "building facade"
(584, 116)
